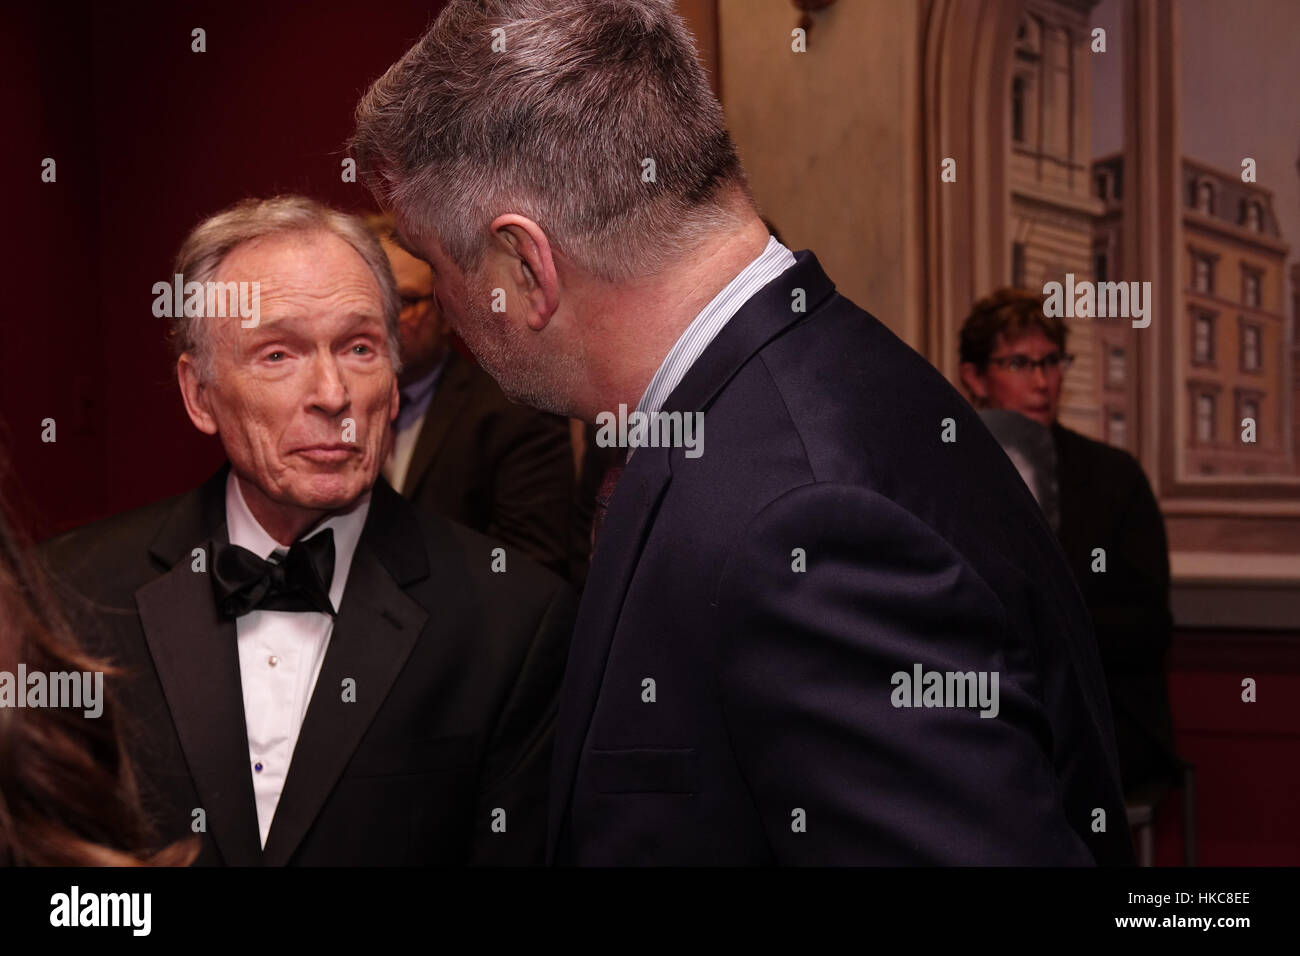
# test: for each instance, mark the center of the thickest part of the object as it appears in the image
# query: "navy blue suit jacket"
(722, 706)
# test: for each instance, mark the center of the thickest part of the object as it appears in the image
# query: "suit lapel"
(197, 659)
(768, 313)
(636, 499)
(449, 399)
(376, 628)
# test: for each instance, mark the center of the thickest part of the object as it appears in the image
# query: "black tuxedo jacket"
(503, 469)
(729, 697)
(1106, 502)
(456, 672)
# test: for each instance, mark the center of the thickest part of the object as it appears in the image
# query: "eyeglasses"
(411, 301)
(1023, 364)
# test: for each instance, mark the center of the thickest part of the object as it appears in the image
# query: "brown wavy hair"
(1007, 312)
(68, 796)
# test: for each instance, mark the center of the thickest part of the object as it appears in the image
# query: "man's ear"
(974, 382)
(531, 267)
(394, 399)
(195, 394)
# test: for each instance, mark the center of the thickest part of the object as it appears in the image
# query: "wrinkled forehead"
(314, 276)
(291, 262)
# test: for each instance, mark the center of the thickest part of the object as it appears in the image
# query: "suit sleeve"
(532, 493)
(1131, 615)
(517, 772)
(807, 665)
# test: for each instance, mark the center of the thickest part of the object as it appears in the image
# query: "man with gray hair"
(730, 694)
(316, 674)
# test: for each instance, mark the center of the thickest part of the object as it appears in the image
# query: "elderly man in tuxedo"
(768, 596)
(315, 673)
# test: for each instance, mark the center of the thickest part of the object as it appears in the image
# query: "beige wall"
(823, 137)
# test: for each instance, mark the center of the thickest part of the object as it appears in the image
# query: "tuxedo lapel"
(376, 628)
(768, 313)
(197, 659)
(449, 399)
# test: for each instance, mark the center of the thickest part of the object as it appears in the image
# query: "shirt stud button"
(273, 660)
(258, 766)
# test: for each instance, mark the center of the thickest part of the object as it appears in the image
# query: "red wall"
(1247, 755)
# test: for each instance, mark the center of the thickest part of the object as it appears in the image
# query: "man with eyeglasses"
(460, 447)
(1013, 357)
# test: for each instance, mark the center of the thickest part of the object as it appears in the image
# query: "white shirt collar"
(245, 531)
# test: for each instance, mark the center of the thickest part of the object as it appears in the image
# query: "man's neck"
(285, 523)
(638, 322)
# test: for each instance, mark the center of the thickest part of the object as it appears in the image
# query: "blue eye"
(271, 356)
(365, 349)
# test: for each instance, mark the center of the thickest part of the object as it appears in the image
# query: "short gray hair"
(208, 244)
(556, 127)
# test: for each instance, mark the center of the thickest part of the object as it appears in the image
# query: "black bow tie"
(298, 581)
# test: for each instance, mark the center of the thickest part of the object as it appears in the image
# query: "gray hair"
(208, 244)
(556, 127)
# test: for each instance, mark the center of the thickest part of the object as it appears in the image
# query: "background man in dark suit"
(1014, 358)
(461, 448)
(315, 673)
(753, 613)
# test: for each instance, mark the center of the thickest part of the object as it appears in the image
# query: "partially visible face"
(425, 331)
(303, 400)
(1034, 393)
(501, 341)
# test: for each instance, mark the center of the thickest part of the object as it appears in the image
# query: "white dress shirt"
(713, 318)
(280, 652)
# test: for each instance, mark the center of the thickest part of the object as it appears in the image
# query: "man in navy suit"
(828, 625)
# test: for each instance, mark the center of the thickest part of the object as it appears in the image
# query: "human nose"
(329, 392)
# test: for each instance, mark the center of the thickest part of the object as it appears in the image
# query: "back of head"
(594, 118)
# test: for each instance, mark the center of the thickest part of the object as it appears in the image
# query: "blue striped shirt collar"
(771, 262)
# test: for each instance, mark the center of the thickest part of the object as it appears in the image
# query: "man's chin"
(515, 382)
(328, 492)
(531, 391)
